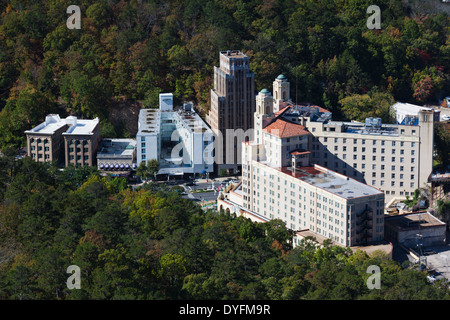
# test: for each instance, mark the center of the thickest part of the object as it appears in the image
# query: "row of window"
(32, 140)
(374, 150)
(85, 150)
(374, 142)
(39, 148)
(39, 156)
(78, 157)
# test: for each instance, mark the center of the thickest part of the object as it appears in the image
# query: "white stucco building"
(177, 137)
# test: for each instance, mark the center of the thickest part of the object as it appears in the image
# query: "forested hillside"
(133, 50)
(152, 244)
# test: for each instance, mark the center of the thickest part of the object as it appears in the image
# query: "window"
(374, 167)
(363, 166)
(382, 167)
(143, 157)
(142, 138)
(143, 151)
(393, 151)
(364, 149)
(392, 183)
(363, 157)
(85, 150)
(382, 150)
(413, 144)
(325, 139)
(401, 176)
(344, 140)
(402, 131)
(86, 157)
(412, 185)
(363, 141)
(393, 168)
(46, 149)
(413, 152)
(374, 158)
(143, 145)
(393, 175)
(413, 160)
(374, 142)
(382, 158)
(355, 157)
(402, 151)
(344, 148)
(382, 182)
(393, 143)
(401, 183)
(393, 159)
(355, 141)
(47, 156)
(382, 142)
(412, 177)
(412, 169)
(374, 150)
(374, 174)
(413, 132)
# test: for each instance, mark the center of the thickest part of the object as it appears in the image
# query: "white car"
(445, 118)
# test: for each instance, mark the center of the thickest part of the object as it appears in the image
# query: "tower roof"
(281, 77)
(264, 91)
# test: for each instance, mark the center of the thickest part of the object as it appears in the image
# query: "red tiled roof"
(287, 106)
(285, 129)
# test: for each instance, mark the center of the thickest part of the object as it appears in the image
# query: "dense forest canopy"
(133, 50)
(153, 244)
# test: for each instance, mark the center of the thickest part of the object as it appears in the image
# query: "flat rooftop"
(150, 120)
(412, 221)
(117, 147)
(76, 126)
(82, 127)
(233, 54)
(331, 181)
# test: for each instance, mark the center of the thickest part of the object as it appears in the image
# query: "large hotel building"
(330, 178)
